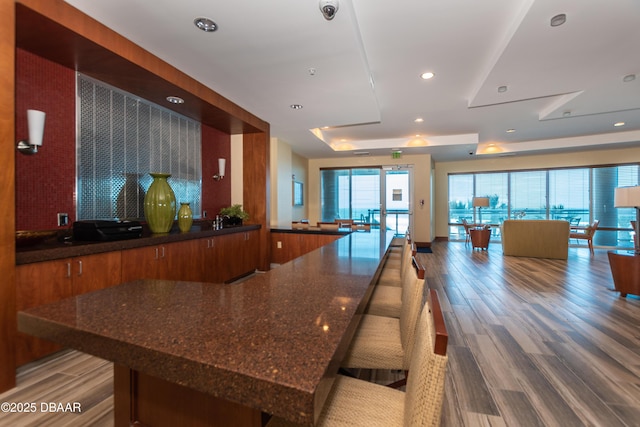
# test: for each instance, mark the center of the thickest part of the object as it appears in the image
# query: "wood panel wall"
(7, 196)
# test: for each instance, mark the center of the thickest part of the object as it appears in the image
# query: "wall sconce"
(629, 197)
(221, 165)
(35, 121)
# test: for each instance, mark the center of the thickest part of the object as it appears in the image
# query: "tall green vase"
(185, 217)
(160, 204)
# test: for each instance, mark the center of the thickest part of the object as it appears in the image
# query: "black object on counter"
(103, 230)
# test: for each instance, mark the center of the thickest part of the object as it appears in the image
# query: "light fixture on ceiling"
(417, 141)
(427, 75)
(618, 124)
(566, 114)
(221, 167)
(175, 99)
(510, 130)
(558, 20)
(419, 120)
(35, 123)
(629, 78)
(296, 106)
(502, 89)
(205, 24)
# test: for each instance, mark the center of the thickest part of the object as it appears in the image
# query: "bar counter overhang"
(271, 344)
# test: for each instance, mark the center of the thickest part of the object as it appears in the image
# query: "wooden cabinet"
(288, 246)
(94, 272)
(237, 254)
(171, 261)
(44, 282)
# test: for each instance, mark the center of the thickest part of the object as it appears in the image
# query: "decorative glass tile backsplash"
(120, 139)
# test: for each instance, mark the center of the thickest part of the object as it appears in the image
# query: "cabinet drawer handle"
(163, 252)
(68, 269)
(156, 253)
(79, 268)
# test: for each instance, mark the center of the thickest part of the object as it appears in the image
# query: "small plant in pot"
(233, 216)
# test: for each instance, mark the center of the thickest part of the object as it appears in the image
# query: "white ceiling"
(367, 60)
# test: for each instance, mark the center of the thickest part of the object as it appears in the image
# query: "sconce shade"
(627, 197)
(35, 120)
(480, 202)
(221, 167)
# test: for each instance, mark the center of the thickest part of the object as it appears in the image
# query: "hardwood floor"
(532, 342)
(536, 342)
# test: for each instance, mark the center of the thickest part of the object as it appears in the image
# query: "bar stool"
(354, 402)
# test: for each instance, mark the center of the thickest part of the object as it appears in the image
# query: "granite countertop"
(311, 230)
(65, 248)
(273, 342)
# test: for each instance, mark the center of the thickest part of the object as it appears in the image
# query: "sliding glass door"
(377, 196)
(396, 212)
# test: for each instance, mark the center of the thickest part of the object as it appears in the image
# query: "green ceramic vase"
(185, 217)
(160, 204)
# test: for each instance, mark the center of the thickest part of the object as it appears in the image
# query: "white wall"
(585, 158)
(237, 180)
(281, 186)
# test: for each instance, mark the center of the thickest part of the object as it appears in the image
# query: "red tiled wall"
(215, 194)
(45, 182)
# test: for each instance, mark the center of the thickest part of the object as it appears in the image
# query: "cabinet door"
(182, 261)
(94, 272)
(211, 263)
(37, 284)
(251, 251)
(141, 263)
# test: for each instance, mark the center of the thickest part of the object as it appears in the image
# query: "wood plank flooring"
(532, 342)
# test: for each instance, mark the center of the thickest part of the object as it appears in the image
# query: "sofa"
(535, 238)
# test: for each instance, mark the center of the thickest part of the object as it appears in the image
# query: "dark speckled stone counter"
(272, 342)
(53, 250)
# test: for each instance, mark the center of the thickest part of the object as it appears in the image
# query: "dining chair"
(587, 234)
(328, 226)
(467, 227)
(357, 403)
(382, 342)
(360, 227)
(343, 223)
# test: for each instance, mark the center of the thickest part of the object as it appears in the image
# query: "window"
(121, 138)
(350, 193)
(577, 195)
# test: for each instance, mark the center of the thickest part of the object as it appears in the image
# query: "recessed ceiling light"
(175, 99)
(205, 24)
(296, 106)
(426, 76)
(558, 20)
(629, 78)
(502, 89)
(419, 120)
(511, 130)
(619, 124)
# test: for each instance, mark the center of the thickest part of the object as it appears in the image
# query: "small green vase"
(185, 217)
(160, 204)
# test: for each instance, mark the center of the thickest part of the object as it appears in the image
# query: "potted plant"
(233, 216)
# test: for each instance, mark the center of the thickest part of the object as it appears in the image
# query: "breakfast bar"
(195, 353)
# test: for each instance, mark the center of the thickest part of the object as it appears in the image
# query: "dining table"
(214, 354)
